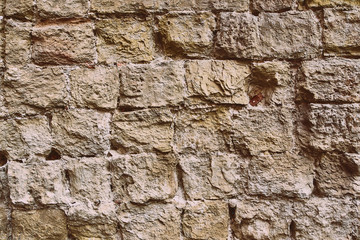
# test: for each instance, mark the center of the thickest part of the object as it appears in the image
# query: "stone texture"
(342, 32)
(218, 81)
(124, 40)
(273, 5)
(157, 84)
(70, 42)
(23, 9)
(243, 35)
(39, 224)
(143, 130)
(331, 3)
(332, 80)
(81, 132)
(4, 231)
(140, 178)
(206, 220)
(94, 232)
(62, 8)
(187, 35)
(94, 88)
(30, 88)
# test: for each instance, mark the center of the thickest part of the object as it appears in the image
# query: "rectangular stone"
(332, 3)
(331, 80)
(342, 32)
(78, 230)
(4, 223)
(22, 9)
(70, 42)
(288, 35)
(273, 5)
(124, 40)
(157, 84)
(62, 8)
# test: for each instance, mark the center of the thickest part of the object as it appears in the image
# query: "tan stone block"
(152, 222)
(124, 40)
(152, 85)
(218, 176)
(23, 9)
(142, 131)
(70, 42)
(94, 232)
(140, 178)
(18, 42)
(206, 220)
(332, 3)
(94, 88)
(273, 5)
(218, 81)
(81, 132)
(62, 8)
(342, 32)
(39, 224)
(187, 35)
(30, 88)
(4, 221)
(334, 79)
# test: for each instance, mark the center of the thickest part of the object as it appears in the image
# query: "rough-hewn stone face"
(17, 34)
(4, 230)
(62, 8)
(273, 5)
(331, 3)
(20, 9)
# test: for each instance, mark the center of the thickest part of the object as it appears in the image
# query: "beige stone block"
(69, 42)
(187, 35)
(332, 3)
(273, 5)
(62, 8)
(39, 224)
(4, 221)
(124, 40)
(94, 232)
(23, 9)
(94, 88)
(18, 42)
(157, 84)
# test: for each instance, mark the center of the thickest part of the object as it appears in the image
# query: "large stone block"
(187, 35)
(81, 231)
(218, 81)
(288, 35)
(39, 224)
(273, 5)
(124, 40)
(334, 79)
(331, 3)
(70, 42)
(94, 88)
(342, 32)
(62, 8)
(157, 84)
(23, 9)
(4, 221)
(142, 131)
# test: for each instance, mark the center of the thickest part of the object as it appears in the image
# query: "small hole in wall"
(232, 212)
(3, 158)
(292, 230)
(53, 155)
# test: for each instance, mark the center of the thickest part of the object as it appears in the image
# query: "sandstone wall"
(180, 119)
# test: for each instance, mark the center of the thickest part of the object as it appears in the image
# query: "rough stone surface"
(62, 8)
(22, 9)
(94, 232)
(331, 3)
(4, 231)
(273, 5)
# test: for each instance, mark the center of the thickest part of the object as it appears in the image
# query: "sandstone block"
(94, 232)
(71, 42)
(273, 5)
(4, 231)
(152, 85)
(124, 40)
(81, 132)
(23, 9)
(18, 42)
(342, 32)
(62, 8)
(187, 35)
(218, 176)
(334, 80)
(206, 220)
(142, 131)
(142, 177)
(39, 224)
(151, 222)
(29, 88)
(94, 88)
(218, 81)
(331, 3)
(288, 35)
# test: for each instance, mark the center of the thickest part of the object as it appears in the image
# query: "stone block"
(22, 9)
(94, 231)
(4, 221)
(332, 3)
(273, 5)
(62, 8)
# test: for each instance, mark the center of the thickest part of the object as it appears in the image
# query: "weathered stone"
(273, 5)
(4, 221)
(151, 222)
(62, 8)
(281, 174)
(187, 35)
(71, 42)
(39, 224)
(142, 131)
(29, 88)
(94, 88)
(218, 176)
(124, 40)
(23, 9)
(331, 3)
(289, 35)
(81, 132)
(18, 42)
(94, 232)
(218, 81)
(206, 220)
(342, 32)
(152, 85)
(140, 178)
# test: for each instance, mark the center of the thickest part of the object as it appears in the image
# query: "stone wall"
(180, 119)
